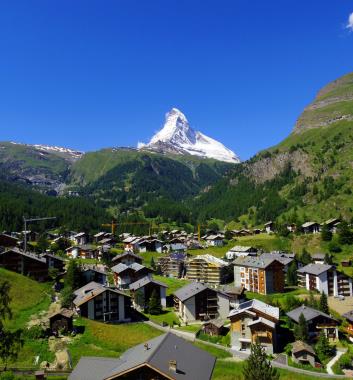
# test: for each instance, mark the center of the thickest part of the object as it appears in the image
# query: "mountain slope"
(39, 166)
(127, 178)
(178, 137)
(309, 175)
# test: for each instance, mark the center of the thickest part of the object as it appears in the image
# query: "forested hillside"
(72, 213)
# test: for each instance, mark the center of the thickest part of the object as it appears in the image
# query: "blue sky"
(92, 74)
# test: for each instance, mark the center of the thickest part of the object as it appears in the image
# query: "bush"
(334, 247)
(33, 333)
(7, 376)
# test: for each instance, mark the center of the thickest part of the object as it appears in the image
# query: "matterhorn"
(178, 137)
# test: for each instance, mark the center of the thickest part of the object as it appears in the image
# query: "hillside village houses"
(241, 251)
(142, 290)
(125, 275)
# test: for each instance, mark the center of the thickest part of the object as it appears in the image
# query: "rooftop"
(157, 353)
(308, 312)
(315, 269)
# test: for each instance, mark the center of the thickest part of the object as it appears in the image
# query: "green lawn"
(229, 370)
(173, 283)
(100, 339)
(28, 297)
(191, 328)
(168, 316)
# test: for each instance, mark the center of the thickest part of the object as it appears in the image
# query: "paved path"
(329, 365)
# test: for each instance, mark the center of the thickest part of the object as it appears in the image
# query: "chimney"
(173, 366)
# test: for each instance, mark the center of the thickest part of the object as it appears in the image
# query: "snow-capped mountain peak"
(178, 137)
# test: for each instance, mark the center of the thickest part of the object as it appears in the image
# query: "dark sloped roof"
(30, 255)
(126, 254)
(144, 281)
(255, 262)
(308, 312)
(348, 316)
(299, 345)
(189, 291)
(315, 269)
(157, 353)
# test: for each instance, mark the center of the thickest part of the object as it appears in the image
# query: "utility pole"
(29, 220)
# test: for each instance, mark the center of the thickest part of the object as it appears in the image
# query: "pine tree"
(257, 366)
(305, 257)
(323, 348)
(154, 303)
(323, 305)
(292, 274)
(312, 302)
(301, 329)
(326, 234)
(345, 235)
(328, 259)
(153, 264)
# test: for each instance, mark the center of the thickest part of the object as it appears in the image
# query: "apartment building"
(208, 269)
(263, 274)
(325, 278)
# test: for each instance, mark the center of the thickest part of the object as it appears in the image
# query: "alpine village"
(173, 259)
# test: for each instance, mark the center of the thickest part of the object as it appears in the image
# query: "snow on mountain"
(178, 137)
(74, 154)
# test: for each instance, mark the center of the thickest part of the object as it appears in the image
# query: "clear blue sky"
(92, 74)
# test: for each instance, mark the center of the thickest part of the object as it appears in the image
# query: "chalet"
(254, 321)
(317, 321)
(81, 238)
(172, 265)
(25, 263)
(30, 235)
(235, 294)
(101, 303)
(124, 275)
(177, 248)
(62, 321)
(303, 353)
(8, 241)
(240, 251)
(86, 251)
(131, 243)
(127, 258)
(54, 261)
(332, 224)
(214, 241)
(94, 273)
(319, 258)
(263, 274)
(349, 319)
(214, 327)
(142, 290)
(166, 357)
(311, 228)
(292, 227)
(208, 269)
(269, 227)
(99, 236)
(197, 302)
(325, 278)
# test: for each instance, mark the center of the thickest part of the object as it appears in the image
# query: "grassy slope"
(101, 339)
(28, 298)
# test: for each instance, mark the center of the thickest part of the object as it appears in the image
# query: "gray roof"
(257, 305)
(281, 257)
(189, 291)
(121, 267)
(157, 353)
(315, 269)
(30, 255)
(308, 312)
(125, 254)
(144, 281)
(348, 316)
(261, 262)
(299, 346)
(92, 290)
